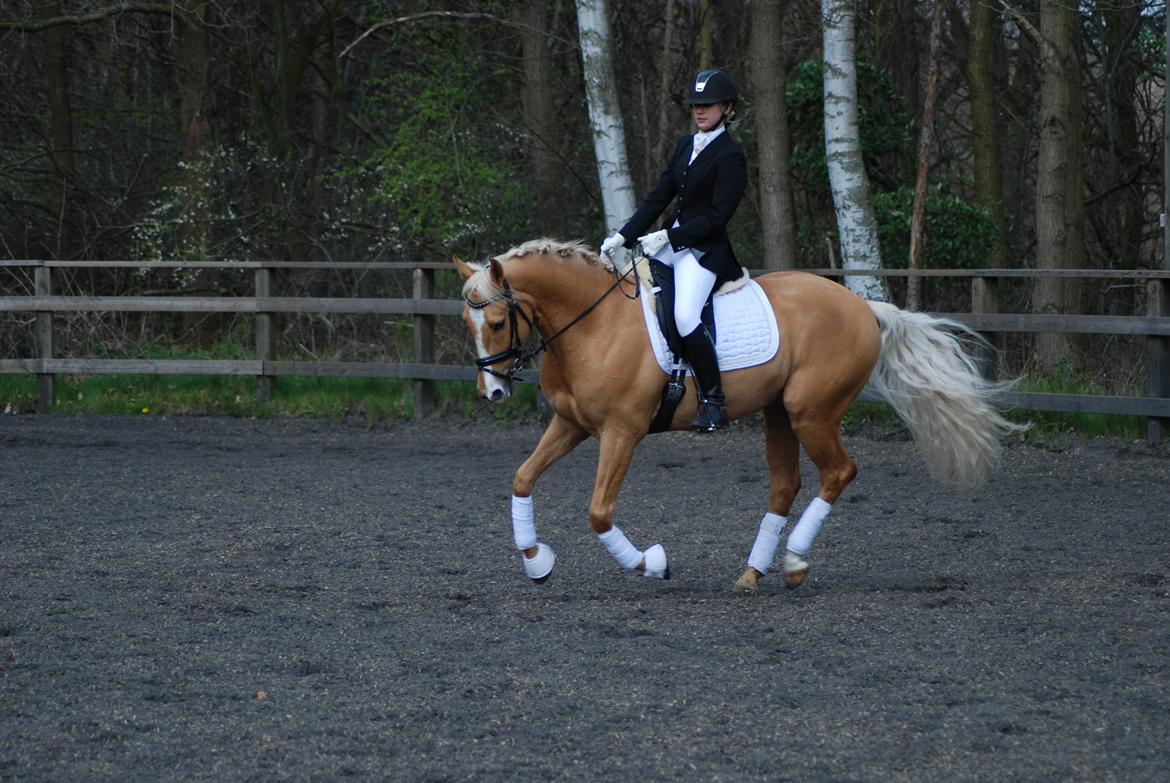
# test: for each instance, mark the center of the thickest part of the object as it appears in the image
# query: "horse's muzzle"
(497, 394)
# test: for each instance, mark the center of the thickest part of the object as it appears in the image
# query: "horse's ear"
(466, 270)
(496, 270)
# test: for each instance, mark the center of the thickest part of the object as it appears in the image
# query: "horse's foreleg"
(561, 437)
(617, 450)
(784, 467)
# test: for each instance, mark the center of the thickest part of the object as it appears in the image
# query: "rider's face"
(707, 116)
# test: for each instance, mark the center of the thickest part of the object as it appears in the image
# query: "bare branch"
(417, 17)
(37, 25)
(1025, 25)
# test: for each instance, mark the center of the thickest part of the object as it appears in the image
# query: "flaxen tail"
(927, 374)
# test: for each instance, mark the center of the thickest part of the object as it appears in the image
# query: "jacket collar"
(715, 139)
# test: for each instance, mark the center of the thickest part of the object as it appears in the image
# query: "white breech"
(692, 286)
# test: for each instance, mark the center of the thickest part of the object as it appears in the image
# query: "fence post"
(985, 299)
(424, 341)
(43, 286)
(265, 337)
(1157, 356)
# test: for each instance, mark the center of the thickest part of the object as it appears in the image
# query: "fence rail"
(1153, 325)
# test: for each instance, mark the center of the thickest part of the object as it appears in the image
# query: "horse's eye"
(498, 325)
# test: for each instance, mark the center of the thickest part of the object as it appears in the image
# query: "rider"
(708, 174)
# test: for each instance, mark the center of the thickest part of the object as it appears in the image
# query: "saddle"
(662, 286)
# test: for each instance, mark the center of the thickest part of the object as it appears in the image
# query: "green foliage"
(958, 234)
(448, 176)
(206, 212)
(887, 128)
(887, 145)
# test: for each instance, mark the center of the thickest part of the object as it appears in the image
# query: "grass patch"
(374, 399)
(377, 400)
(1046, 424)
(387, 401)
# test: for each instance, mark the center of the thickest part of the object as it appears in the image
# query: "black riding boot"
(705, 363)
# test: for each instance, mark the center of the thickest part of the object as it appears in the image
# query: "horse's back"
(828, 334)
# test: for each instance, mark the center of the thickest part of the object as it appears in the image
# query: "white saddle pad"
(745, 329)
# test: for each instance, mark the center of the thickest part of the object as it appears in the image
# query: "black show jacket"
(708, 190)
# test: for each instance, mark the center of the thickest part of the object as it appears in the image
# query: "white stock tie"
(700, 143)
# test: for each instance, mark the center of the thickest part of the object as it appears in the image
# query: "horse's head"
(499, 319)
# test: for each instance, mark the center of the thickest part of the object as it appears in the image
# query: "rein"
(515, 350)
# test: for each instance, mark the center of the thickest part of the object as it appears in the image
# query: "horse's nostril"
(496, 395)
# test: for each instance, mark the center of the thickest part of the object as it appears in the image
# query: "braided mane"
(481, 283)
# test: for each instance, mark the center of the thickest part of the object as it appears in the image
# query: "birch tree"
(605, 118)
(852, 202)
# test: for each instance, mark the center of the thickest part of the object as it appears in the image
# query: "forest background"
(411, 131)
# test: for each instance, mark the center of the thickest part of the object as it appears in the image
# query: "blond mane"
(481, 282)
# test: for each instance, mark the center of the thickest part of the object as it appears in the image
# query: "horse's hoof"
(656, 565)
(748, 582)
(540, 567)
(795, 570)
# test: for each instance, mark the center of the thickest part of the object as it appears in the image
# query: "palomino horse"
(601, 378)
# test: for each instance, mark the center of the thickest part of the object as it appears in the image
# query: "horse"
(601, 379)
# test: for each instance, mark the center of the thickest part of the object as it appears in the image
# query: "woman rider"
(708, 174)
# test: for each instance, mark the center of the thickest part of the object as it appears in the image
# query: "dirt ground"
(219, 599)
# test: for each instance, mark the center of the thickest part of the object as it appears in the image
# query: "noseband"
(515, 350)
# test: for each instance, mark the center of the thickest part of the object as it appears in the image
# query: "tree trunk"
(57, 45)
(896, 29)
(925, 149)
(665, 134)
(609, 135)
(988, 164)
(1123, 209)
(769, 80)
(539, 115)
(706, 20)
(1059, 198)
(193, 62)
(856, 223)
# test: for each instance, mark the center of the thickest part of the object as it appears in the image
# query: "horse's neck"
(563, 290)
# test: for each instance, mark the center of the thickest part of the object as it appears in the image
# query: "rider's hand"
(613, 243)
(652, 243)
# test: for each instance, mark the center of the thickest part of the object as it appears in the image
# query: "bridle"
(515, 350)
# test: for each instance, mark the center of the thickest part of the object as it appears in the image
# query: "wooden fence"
(1153, 325)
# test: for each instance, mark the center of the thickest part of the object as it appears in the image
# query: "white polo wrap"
(523, 522)
(620, 547)
(801, 538)
(767, 541)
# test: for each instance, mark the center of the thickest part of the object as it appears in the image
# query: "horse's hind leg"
(784, 466)
(561, 437)
(821, 439)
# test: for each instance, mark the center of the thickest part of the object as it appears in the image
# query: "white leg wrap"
(767, 540)
(801, 538)
(620, 547)
(523, 522)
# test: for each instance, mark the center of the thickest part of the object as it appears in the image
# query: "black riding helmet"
(712, 86)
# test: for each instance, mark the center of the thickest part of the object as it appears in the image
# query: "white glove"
(613, 243)
(652, 243)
